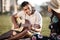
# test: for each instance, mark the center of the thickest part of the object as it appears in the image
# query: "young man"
(34, 18)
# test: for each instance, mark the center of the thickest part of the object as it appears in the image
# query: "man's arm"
(13, 17)
(38, 22)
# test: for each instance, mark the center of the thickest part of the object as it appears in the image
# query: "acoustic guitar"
(23, 24)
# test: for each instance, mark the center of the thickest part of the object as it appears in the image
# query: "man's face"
(27, 9)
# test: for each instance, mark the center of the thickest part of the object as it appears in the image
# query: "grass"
(45, 28)
(5, 25)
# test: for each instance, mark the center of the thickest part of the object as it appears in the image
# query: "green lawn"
(45, 29)
(5, 25)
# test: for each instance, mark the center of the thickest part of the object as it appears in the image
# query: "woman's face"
(27, 9)
(50, 12)
(49, 9)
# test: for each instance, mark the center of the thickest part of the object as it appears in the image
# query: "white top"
(35, 18)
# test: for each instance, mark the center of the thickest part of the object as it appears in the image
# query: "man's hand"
(36, 27)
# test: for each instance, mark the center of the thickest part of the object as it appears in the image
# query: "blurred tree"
(11, 9)
(44, 10)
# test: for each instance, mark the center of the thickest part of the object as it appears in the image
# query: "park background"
(7, 7)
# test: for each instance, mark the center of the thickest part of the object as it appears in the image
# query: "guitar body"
(19, 22)
(23, 24)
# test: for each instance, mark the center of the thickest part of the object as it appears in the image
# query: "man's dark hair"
(24, 4)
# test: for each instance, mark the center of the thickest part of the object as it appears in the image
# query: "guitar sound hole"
(20, 25)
